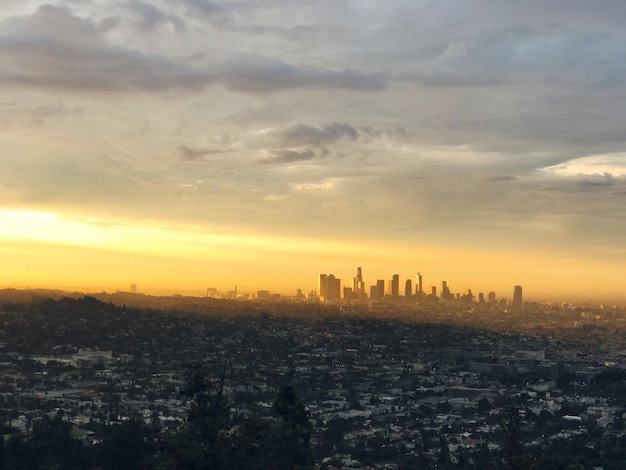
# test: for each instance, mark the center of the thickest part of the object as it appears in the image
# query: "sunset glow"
(397, 137)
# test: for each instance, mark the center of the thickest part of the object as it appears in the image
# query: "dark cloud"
(151, 16)
(258, 74)
(302, 134)
(54, 48)
(202, 7)
(289, 156)
(502, 178)
(187, 154)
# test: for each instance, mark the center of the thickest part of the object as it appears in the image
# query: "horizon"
(194, 144)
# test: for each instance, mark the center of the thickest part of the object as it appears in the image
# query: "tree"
(127, 446)
(201, 442)
(292, 432)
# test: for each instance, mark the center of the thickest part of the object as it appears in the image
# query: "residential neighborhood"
(384, 386)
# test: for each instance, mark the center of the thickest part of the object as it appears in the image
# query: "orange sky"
(45, 250)
(186, 145)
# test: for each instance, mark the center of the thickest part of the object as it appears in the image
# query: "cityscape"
(332, 235)
(331, 289)
(389, 385)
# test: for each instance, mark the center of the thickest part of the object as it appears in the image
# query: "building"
(445, 291)
(358, 286)
(517, 297)
(394, 287)
(263, 295)
(329, 287)
(419, 287)
(321, 286)
(408, 289)
(377, 291)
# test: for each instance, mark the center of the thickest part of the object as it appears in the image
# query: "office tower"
(491, 297)
(329, 287)
(408, 289)
(380, 289)
(445, 290)
(419, 290)
(322, 283)
(374, 295)
(481, 298)
(358, 286)
(377, 291)
(349, 294)
(395, 286)
(433, 291)
(333, 288)
(517, 296)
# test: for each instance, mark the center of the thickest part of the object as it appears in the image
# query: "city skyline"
(184, 145)
(333, 288)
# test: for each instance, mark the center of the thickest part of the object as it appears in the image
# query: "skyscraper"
(408, 289)
(333, 288)
(321, 286)
(380, 289)
(394, 285)
(445, 290)
(375, 296)
(419, 288)
(329, 287)
(517, 296)
(358, 286)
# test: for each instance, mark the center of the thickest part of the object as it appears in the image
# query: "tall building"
(380, 289)
(491, 297)
(419, 291)
(375, 295)
(358, 286)
(329, 287)
(395, 286)
(408, 289)
(333, 288)
(517, 296)
(322, 283)
(445, 291)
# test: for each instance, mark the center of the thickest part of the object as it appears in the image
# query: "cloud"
(502, 178)
(302, 134)
(276, 197)
(55, 48)
(254, 73)
(325, 184)
(289, 156)
(607, 165)
(202, 7)
(187, 154)
(151, 16)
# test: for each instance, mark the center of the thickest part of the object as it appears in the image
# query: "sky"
(186, 144)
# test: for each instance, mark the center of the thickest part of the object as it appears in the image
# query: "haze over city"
(187, 144)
